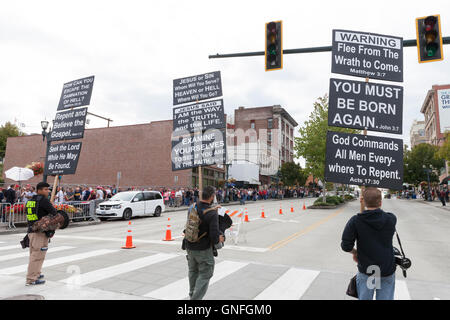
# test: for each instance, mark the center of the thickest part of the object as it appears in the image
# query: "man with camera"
(373, 231)
(36, 209)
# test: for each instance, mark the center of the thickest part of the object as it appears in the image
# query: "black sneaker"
(41, 276)
(34, 283)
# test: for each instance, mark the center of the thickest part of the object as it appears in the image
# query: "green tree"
(414, 160)
(311, 144)
(292, 174)
(6, 131)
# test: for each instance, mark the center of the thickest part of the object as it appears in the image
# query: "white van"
(132, 204)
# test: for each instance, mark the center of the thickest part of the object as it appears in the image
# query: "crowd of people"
(173, 197)
(433, 194)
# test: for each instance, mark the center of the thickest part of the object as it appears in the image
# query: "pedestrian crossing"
(231, 279)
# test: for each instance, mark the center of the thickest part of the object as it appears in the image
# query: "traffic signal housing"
(429, 39)
(274, 46)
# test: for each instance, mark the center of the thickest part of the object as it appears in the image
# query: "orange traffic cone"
(304, 207)
(246, 216)
(281, 210)
(129, 241)
(262, 213)
(292, 207)
(168, 232)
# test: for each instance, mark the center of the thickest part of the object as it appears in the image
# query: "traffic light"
(274, 45)
(429, 39)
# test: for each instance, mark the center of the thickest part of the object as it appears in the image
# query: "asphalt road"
(294, 255)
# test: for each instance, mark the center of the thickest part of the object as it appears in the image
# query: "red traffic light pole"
(406, 43)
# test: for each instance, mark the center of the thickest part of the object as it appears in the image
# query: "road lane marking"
(27, 253)
(292, 285)
(180, 289)
(18, 246)
(56, 261)
(294, 236)
(109, 272)
(177, 243)
(401, 290)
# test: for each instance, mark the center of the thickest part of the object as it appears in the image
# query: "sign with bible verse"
(363, 54)
(62, 158)
(76, 93)
(69, 125)
(364, 160)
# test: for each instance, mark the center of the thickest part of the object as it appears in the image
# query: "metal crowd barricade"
(17, 214)
(78, 210)
(5, 214)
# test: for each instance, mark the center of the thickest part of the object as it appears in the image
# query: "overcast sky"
(136, 48)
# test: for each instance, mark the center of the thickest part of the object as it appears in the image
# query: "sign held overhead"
(361, 105)
(62, 158)
(197, 88)
(364, 160)
(76, 93)
(204, 116)
(69, 125)
(371, 55)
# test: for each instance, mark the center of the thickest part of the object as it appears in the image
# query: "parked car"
(131, 204)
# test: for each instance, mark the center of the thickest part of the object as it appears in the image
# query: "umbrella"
(19, 174)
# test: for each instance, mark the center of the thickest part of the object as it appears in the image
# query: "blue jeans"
(386, 291)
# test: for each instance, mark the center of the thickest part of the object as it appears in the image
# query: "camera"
(403, 262)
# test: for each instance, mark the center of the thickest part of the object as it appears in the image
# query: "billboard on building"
(443, 97)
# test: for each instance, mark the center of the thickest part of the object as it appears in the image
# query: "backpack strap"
(400, 243)
(204, 212)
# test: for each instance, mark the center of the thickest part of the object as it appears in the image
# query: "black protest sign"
(364, 160)
(197, 88)
(199, 117)
(361, 105)
(62, 158)
(76, 93)
(69, 125)
(199, 150)
(370, 55)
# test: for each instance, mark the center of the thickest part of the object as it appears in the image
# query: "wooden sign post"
(54, 189)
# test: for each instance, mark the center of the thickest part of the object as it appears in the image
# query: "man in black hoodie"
(373, 230)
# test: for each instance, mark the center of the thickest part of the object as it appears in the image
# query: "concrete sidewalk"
(436, 204)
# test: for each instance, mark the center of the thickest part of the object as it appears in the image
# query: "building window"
(269, 136)
(269, 123)
(252, 124)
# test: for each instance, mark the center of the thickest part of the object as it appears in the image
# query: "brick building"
(436, 123)
(141, 153)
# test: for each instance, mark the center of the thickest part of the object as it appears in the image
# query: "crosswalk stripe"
(10, 247)
(27, 253)
(180, 289)
(56, 261)
(116, 270)
(290, 286)
(401, 290)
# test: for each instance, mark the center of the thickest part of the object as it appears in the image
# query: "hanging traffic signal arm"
(406, 43)
(429, 39)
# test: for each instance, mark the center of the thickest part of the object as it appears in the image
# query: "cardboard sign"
(371, 55)
(197, 88)
(62, 158)
(199, 117)
(76, 93)
(199, 150)
(361, 105)
(69, 125)
(364, 160)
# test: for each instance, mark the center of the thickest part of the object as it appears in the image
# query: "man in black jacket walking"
(373, 231)
(200, 254)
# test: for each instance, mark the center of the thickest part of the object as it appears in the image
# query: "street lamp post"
(45, 135)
